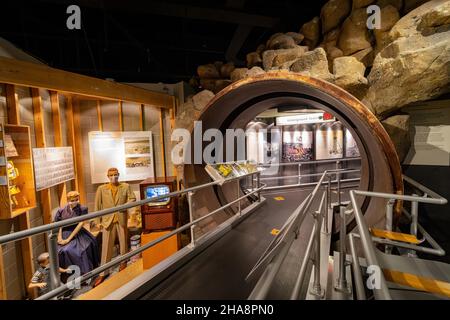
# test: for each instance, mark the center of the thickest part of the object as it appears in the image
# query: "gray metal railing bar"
(19, 235)
(368, 247)
(400, 197)
(309, 162)
(342, 171)
(301, 275)
(128, 255)
(359, 284)
(265, 281)
(425, 190)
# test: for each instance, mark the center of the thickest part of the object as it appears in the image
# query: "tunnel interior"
(237, 107)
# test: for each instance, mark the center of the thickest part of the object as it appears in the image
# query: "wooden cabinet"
(17, 190)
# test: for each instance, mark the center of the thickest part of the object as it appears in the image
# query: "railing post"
(414, 222)
(258, 184)
(299, 174)
(342, 284)
(191, 216)
(389, 220)
(316, 287)
(237, 196)
(338, 176)
(52, 244)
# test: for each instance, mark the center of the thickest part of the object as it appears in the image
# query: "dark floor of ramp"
(219, 271)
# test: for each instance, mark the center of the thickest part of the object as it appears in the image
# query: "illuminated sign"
(316, 117)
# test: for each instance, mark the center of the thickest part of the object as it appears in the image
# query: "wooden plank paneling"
(71, 137)
(12, 104)
(41, 76)
(99, 115)
(120, 116)
(58, 137)
(142, 117)
(26, 245)
(39, 131)
(78, 148)
(162, 141)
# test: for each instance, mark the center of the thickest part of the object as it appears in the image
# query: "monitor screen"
(154, 191)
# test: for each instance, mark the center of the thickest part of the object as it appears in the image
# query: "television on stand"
(160, 213)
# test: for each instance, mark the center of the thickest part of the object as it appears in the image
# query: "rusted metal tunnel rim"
(237, 104)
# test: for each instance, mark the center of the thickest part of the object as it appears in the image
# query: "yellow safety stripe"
(397, 236)
(418, 282)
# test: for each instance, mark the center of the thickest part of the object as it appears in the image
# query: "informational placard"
(351, 148)
(297, 145)
(131, 152)
(52, 166)
(329, 141)
(316, 117)
(430, 133)
(224, 171)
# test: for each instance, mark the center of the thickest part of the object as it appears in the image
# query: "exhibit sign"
(297, 145)
(316, 117)
(351, 148)
(131, 152)
(52, 166)
(329, 141)
(225, 171)
(430, 133)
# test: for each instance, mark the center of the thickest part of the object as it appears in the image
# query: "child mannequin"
(41, 276)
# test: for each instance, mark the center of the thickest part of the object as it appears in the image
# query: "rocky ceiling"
(148, 41)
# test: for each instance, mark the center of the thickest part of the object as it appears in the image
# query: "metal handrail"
(52, 227)
(310, 162)
(273, 259)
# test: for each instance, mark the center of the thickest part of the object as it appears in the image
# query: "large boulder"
(365, 56)
(416, 65)
(398, 4)
(253, 59)
(226, 69)
(281, 41)
(208, 71)
(361, 3)
(311, 31)
(297, 37)
(242, 73)
(389, 17)
(397, 128)
(201, 99)
(333, 13)
(354, 34)
(314, 64)
(276, 58)
(349, 75)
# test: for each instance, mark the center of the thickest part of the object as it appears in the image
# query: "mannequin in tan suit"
(110, 195)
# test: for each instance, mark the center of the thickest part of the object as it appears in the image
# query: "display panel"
(297, 145)
(130, 151)
(154, 191)
(351, 148)
(52, 166)
(329, 140)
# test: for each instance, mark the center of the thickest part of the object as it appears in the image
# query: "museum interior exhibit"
(229, 150)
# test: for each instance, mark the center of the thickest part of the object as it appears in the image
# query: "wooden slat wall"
(12, 105)
(78, 144)
(71, 138)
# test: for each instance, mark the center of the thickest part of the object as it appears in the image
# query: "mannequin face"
(73, 202)
(113, 177)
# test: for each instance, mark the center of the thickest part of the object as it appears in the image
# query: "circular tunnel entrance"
(238, 104)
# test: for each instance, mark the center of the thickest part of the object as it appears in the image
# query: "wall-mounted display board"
(430, 133)
(351, 148)
(17, 192)
(297, 145)
(329, 141)
(130, 151)
(52, 166)
(223, 171)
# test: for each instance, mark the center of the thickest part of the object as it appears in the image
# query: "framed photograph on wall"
(130, 151)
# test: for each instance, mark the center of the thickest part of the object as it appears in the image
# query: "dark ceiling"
(148, 41)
